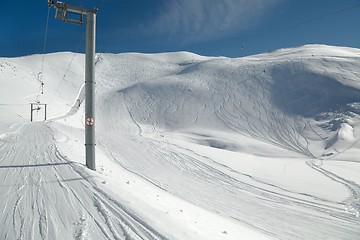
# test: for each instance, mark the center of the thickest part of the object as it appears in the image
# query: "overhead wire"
(98, 6)
(14, 104)
(40, 75)
(281, 29)
(68, 68)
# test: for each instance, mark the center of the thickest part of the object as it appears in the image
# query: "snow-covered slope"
(258, 147)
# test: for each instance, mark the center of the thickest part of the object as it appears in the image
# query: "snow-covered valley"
(188, 147)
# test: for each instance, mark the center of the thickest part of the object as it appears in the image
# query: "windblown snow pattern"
(188, 147)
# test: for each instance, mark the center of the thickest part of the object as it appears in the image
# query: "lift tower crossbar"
(74, 14)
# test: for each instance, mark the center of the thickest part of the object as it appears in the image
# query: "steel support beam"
(90, 90)
(62, 10)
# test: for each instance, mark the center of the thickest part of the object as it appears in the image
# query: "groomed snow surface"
(188, 147)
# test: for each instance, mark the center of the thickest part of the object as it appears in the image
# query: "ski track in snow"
(229, 193)
(245, 106)
(353, 203)
(45, 196)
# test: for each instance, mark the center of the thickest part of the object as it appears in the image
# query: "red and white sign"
(90, 121)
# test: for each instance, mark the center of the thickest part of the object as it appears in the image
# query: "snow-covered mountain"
(188, 147)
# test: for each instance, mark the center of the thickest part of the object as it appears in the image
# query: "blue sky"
(230, 28)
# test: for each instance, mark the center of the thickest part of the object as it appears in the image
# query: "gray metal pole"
(31, 106)
(90, 90)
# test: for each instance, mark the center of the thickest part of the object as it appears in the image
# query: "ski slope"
(188, 147)
(50, 191)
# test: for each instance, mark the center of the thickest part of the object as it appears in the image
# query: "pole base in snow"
(90, 156)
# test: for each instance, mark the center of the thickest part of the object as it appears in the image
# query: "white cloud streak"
(196, 20)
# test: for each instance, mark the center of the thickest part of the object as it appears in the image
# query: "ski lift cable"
(68, 68)
(14, 104)
(73, 57)
(45, 39)
(314, 19)
(100, 5)
(44, 52)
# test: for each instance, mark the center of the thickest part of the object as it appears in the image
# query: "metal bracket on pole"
(67, 13)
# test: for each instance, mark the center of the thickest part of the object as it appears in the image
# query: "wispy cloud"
(196, 20)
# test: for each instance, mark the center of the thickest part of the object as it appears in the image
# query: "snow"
(188, 147)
